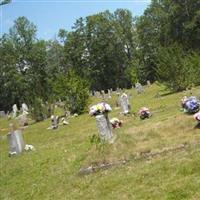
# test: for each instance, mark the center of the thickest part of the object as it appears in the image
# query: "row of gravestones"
(15, 139)
(102, 120)
(138, 87)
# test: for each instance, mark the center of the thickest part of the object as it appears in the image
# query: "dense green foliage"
(108, 50)
(72, 90)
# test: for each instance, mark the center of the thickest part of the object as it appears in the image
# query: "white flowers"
(100, 108)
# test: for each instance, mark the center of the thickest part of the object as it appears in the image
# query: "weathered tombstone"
(2, 114)
(23, 120)
(118, 100)
(148, 83)
(54, 122)
(103, 94)
(15, 141)
(109, 94)
(15, 110)
(124, 103)
(139, 88)
(104, 127)
(24, 108)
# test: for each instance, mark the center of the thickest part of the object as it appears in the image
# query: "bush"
(170, 68)
(177, 69)
(73, 91)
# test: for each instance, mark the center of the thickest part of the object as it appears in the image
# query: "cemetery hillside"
(52, 171)
(109, 109)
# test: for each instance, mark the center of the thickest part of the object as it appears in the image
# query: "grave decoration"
(144, 113)
(197, 117)
(116, 123)
(100, 111)
(190, 104)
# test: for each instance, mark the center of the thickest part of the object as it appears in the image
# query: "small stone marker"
(124, 103)
(139, 88)
(15, 141)
(109, 94)
(148, 83)
(54, 122)
(118, 100)
(104, 127)
(103, 94)
(23, 120)
(15, 110)
(2, 114)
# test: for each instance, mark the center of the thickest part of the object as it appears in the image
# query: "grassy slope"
(51, 171)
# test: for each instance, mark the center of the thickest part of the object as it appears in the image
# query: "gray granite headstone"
(104, 127)
(54, 122)
(23, 120)
(109, 94)
(139, 88)
(2, 114)
(124, 103)
(15, 142)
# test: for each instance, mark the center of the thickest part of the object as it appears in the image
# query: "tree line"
(103, 51)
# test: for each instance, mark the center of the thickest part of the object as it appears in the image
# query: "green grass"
(50, 172)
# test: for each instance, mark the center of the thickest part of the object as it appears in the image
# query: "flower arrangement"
(100, 108)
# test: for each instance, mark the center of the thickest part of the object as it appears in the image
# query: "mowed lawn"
(51, 171)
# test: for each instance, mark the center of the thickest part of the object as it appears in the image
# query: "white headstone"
(24, 108)
(124, 103)
(104, 127)
(148, 83)
(15, 110)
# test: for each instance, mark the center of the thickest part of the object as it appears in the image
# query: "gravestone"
(118, 100)
(24, 108)
(2, 114)
(15, 141)
(139, 88)
(104, 127)
(103, 94)
(54, 121)
(97, 94)
(23, 120)
(15, 110)
(124, 103)
(148, 83)
(109, 94)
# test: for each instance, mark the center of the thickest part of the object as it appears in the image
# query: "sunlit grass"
(50, 172)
